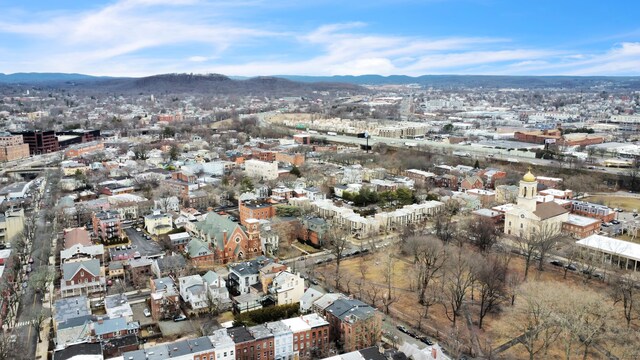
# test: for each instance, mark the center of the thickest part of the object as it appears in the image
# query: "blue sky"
(321, 37)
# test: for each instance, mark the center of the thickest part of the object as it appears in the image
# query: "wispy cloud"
(142, 37)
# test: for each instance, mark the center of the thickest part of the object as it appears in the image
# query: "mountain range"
(216, 82)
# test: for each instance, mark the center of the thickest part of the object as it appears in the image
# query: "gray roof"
(116, 300)
(158, 352)
(240, 334)
(260, 332)
(344, 307)
(214, 226)
(210, 277)
(175, 261)
(69, 308)
(278, 328)
(79, 350)
(76, 321)
(197, 247)
(108, 326)
(251, 267)
(185, 347)
(69, 269)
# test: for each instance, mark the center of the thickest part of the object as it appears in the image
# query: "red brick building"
(579, 227)
(471, 182)
(260, 210)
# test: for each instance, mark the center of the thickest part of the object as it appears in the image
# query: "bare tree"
(625, 293)
(338, 244)
(431, 256)
(389, 273)
(481, 233)
(545, 236)
(491, 276)
(459, 276)
(446, 230)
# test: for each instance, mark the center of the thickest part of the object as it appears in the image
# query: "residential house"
(76, 236)
(217, 291)
(139, 270)
(287, 288)
(282, 340)
(245, 274)
(158, 223)
(82, 278)
(82, 252)
(171, 265)
(118, 306)
(471, 182)
(354, 324)
(179, 241)
(165, 299)
(105, 329)
(194, 293)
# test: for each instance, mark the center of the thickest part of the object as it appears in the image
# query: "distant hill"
(213, 84)
(290, 84)
(489, 81)
(30, 78)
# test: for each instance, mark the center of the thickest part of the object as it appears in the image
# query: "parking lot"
(139, 243)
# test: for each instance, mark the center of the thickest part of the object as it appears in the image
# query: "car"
(302, 258)
(146, 312)
(30, 260)
(619, 210)
(24, 285)
(615, 222)
(180, 317)
(129, 247)
(604, 225)
(109, 282)
(571, 267)
(29, 268)
(402, 329)
(557, 263)
(138, 229)
(314, 282)
(99, 304)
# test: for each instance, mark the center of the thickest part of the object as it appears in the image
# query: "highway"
(476, 152)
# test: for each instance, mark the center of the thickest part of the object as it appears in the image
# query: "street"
(31, 302)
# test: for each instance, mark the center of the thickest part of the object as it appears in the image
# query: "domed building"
(528, 217)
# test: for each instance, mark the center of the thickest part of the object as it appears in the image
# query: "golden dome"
(528, 177)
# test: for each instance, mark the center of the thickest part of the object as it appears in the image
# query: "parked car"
(557, 263)
(426, 340)
(30, 260)
(571, 267)
(615, 222)
(314, 282)
(146, 312)
(402, 329)
(180, 317)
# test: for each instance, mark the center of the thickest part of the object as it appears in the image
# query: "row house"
(598, 211)
(105, 329)
(311, 335)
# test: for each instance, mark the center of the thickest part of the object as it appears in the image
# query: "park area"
(620, 202)
(372, 277)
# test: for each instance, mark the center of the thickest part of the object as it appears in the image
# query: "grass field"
(620, 202)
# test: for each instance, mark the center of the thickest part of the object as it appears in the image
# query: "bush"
(261, 316)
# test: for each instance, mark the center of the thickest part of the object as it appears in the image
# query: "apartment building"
(261, 169)
(12, 147)
(11, 225)
(107, 226)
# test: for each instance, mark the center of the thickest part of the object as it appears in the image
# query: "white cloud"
(143, 37)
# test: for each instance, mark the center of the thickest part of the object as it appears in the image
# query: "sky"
(320, 37)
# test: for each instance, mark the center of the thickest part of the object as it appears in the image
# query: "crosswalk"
(24, 323)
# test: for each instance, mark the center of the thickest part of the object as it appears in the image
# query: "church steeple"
(528, 191)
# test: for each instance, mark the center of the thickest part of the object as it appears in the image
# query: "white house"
(193, 292)
(287, 288)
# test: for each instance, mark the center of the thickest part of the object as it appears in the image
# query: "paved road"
(30, 302)
(474, 151)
